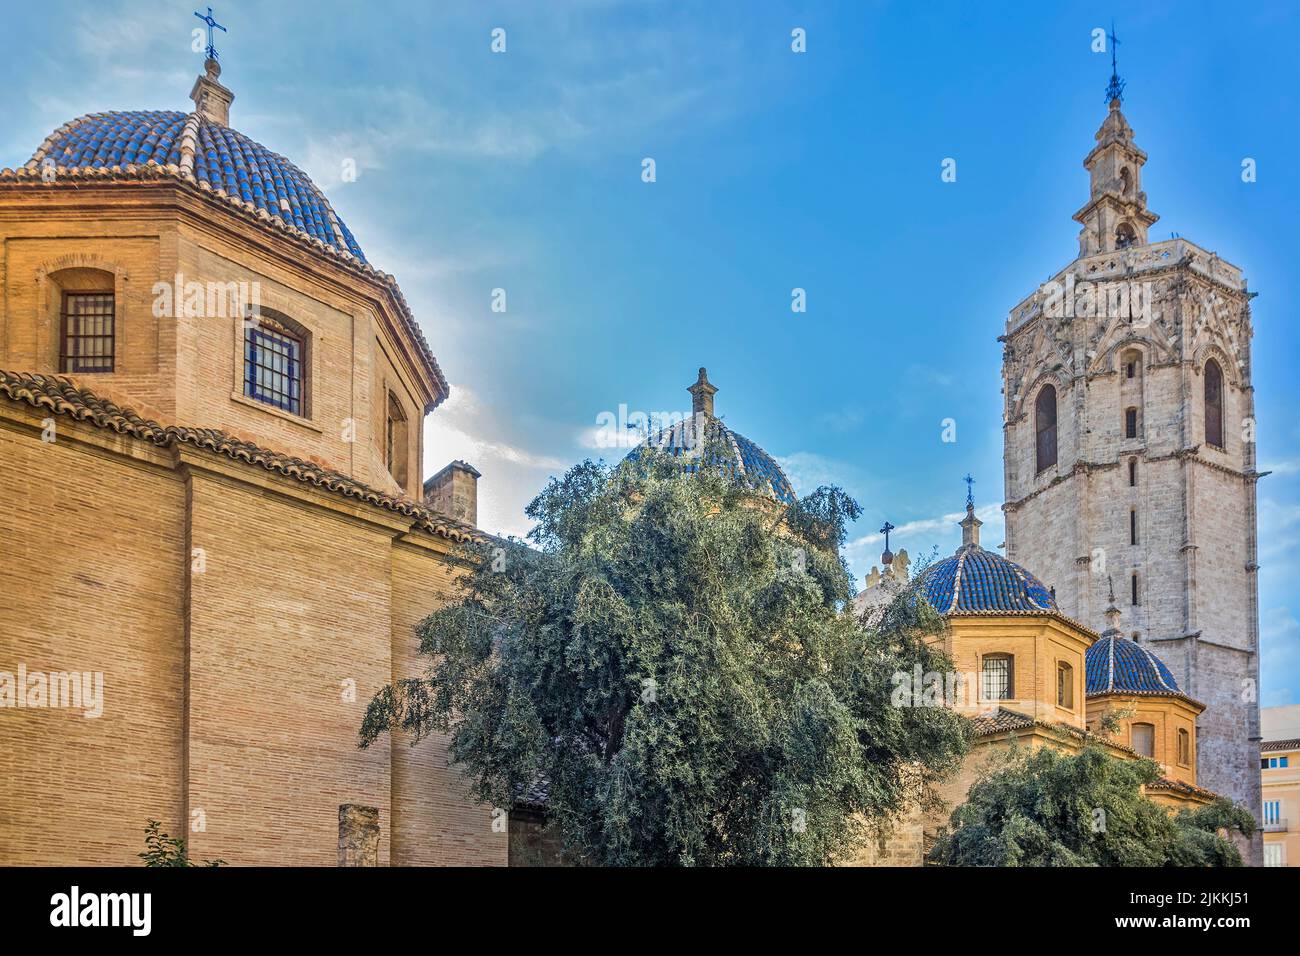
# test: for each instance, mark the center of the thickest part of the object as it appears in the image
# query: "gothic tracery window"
(1213, 404)
(1045, 427)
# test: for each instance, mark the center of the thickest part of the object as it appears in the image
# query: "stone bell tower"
(1129, 451)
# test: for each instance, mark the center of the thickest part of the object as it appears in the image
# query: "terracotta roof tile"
(1275, 745)
(1177, 786)
(1003, 720)
(62, 397)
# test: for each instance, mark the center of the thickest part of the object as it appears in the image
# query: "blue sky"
(522, 171)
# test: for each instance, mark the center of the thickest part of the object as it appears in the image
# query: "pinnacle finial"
(702, 393)
(887, 558)
(1113, 613)
(970, 525)
(211, 99)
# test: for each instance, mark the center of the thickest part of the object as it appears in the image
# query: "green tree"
(672, 657)
(1048, 808)
(163, 850)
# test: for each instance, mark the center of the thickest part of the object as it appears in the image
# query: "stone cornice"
(1087, 467)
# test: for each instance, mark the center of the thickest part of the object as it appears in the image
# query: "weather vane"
(970, 490)
(1115, 91)
(211, 51)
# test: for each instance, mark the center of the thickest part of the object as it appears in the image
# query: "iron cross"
(1115, 90)
(885, 531)
(970, 490)
(211, 51)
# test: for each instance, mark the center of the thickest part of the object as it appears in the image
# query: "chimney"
(211, 99)
(454, 492)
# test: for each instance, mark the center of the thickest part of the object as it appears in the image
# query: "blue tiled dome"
(976, 581)
(223, 158)
(1116, 665)
(741, 458)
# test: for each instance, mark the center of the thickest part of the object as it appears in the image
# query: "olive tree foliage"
(1049, 808)
(673, 659)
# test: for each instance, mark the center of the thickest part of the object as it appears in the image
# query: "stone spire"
(702, 395)
(1116, 214)
(970, 525)
(211, 99)
(1112, 613)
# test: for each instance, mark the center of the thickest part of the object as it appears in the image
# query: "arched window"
(275, 359)
(1125, 181)
(1142, 738)
(1130, 422)
(1132, 526)
(1213, 404)
(1184, 748)
(1064, 685)
(1124, 236)
(998, 677)
(1133, 581)
(1132, 472)
(1045, 426)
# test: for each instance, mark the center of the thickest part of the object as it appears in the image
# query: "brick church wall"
(91, 580)
(300, 592)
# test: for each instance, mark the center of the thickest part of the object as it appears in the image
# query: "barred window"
(87, 342)
(273, 365)
(1184, 748)
(998, 682)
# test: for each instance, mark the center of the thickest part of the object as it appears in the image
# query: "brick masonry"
(234, 682)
